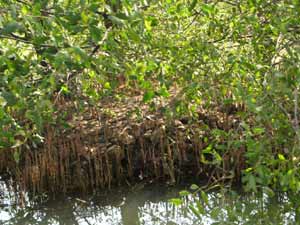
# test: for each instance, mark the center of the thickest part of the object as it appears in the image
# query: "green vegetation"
(238, 57)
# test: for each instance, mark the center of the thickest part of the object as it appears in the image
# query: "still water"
(151, 205)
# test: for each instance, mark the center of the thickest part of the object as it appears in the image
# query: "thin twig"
(191, 23)
(296, 120)
(96, 48)
(26, 41)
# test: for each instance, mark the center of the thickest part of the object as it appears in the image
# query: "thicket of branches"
(219, 53)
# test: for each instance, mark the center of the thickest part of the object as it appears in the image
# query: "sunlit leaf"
(194, 187)
(176, 201)
(148, 96)
(281, 157)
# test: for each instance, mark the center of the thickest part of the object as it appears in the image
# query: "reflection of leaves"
(195, 211)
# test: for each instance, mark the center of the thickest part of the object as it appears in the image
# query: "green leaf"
(207, 9)
(122, 16)
(208, 149)
(11, 27)
(184, 193)
(64, 89)
(107, 85)
(258, 130)
(281, 157)
(96, 33)
(195, 211)
(10, 98)
(176, 201)
(252, 183)
(164, 91)
(148, 25)
(2, 101)
(78, 53)
(200, 207)
(133, 36)
(204, 197)
(148, 96)
(193, 5)
(116, 20)
(194, 187)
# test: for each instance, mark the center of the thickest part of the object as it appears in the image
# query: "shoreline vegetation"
(112, 146)
(95, 94)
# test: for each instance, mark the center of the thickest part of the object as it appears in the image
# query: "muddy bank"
(110, 144)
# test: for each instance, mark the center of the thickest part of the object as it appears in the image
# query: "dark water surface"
(151, 205)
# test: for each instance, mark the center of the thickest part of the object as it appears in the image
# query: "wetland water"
(151, 206)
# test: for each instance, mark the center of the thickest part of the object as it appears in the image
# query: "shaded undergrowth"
(111, 145)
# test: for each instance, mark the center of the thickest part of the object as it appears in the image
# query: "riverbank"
(124, 142)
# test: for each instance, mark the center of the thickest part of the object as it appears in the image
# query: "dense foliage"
(220, 53)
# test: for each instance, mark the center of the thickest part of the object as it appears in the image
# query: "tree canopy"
(218, 52)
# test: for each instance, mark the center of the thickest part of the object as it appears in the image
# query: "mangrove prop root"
(106, 151)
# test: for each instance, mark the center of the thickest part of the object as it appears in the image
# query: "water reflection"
(151, 206)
